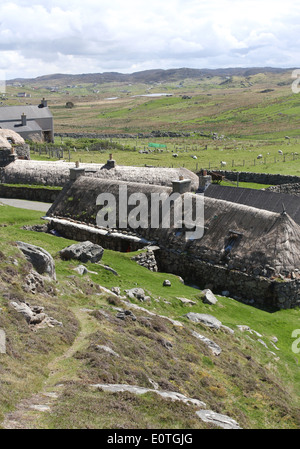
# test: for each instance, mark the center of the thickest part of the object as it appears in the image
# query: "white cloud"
(112, 35)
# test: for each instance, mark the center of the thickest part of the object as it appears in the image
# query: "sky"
(41, 37)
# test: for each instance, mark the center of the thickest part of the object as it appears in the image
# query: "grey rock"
(136, 293)
(215, 349)
(107, 349)
(207, 320)
(81, 269)
(116, 290)
(2, 342)
(122, 314)
(166, 283)
(134, 306)
(83, 251)
(37, 318)
(41, 408)
(35, 315)
(34, 282)
(209, 297)
(106, 267)
(24, 309)
(141, 390)
(51, 322)
(41, 260)
(186, 301)
(217, 419)
(262, 343)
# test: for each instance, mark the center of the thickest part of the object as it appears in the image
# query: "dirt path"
(28, 413)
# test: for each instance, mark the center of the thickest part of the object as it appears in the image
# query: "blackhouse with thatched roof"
(252, 252)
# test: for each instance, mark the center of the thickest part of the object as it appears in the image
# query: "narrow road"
(24, 204)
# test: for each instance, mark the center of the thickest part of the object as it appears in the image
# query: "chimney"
(23, 119)
(44, 103)
(111, 163)
(204, 181)
(182, 185)
(76, 172)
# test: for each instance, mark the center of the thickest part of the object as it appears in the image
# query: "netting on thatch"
(57, 173)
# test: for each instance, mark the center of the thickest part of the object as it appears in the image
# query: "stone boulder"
(83, 251)
(40, 259)
(209, 297)
(137, 293)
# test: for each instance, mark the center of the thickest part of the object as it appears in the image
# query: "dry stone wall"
(259, 178)
(256, 290)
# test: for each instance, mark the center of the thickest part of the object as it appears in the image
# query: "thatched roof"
(9, 137)
(57, 173)
(240, 237)
(245, 238)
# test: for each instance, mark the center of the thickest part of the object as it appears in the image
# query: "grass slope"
(258, 387)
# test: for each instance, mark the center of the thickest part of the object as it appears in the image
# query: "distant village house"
(31, 122)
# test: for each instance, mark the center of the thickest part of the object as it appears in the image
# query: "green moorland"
(253, 115)
(56, 366)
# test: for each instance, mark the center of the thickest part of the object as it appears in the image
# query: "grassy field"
(258, 387)
(192, 153)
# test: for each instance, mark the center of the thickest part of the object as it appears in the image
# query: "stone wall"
(116, 241)
(152, 134)
(291, 189)
(23, 151)
(29, 193)
(20, 151)
(259, 178)
(261, 292)
(6, 157)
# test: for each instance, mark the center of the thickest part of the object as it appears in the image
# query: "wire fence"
(53, 151)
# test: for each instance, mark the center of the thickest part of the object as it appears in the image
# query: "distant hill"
(148, 76)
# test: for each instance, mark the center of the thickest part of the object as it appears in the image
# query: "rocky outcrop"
(207, 320)
(41, 260)
(208, 416)
(34, 315)
(217, 419)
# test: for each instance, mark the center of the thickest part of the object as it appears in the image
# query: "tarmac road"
(24, 204)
